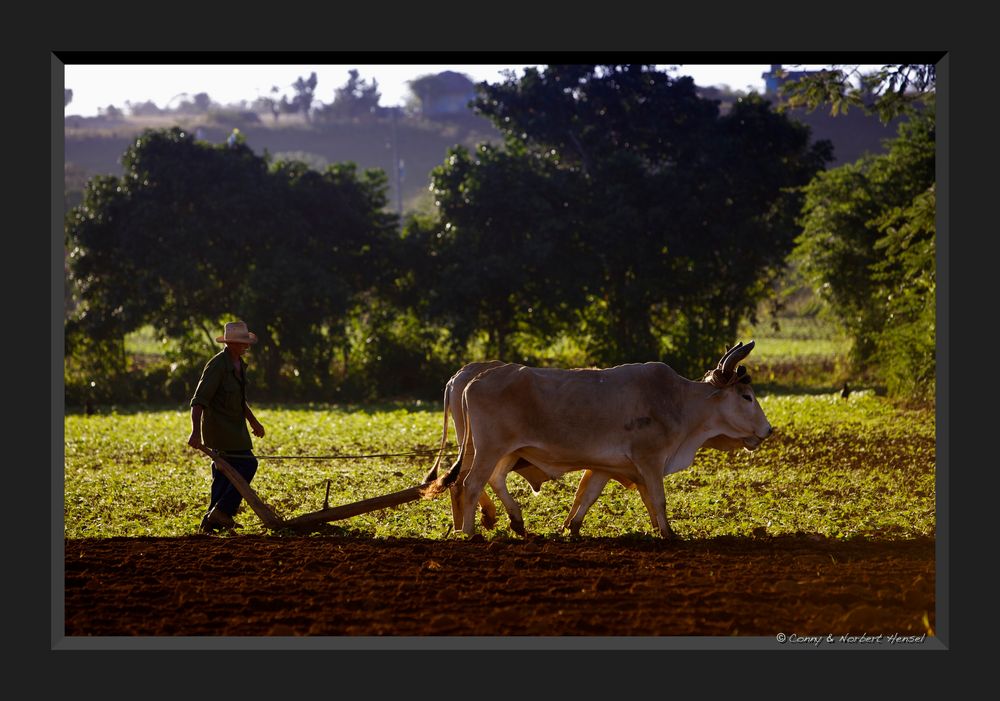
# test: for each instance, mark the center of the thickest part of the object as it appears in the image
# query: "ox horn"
(725, 356)
(733, 357)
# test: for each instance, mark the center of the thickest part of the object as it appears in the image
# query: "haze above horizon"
(95, 87)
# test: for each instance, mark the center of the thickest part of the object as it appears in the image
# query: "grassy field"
(836, 468)
(798, 354)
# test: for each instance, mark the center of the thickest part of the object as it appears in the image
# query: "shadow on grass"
(372, 408)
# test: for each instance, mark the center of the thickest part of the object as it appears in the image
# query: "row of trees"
(356, 98)
(623, 218)
(194, 234)
(622, 210)
(869, 230)
(868, 246)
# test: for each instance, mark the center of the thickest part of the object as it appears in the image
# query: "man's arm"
(194, 440)
(255, 425)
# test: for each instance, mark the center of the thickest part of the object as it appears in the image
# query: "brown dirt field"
(348, 586)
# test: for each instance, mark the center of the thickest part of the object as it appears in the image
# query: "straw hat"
(236, 332)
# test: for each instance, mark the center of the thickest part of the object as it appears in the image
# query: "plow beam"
(271, 520)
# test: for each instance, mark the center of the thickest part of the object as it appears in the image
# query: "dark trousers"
(224, 494)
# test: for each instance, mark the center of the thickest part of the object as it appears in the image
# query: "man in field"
(219, 412)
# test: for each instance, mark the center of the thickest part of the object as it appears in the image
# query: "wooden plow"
(271, 520)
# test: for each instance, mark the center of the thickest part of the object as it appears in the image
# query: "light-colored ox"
(453, 391)
(635, 423)
(591, 484)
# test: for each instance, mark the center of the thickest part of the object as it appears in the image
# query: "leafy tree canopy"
(868, 247)
(625, 206)
(355, 98)
(193, 234)
(892, 90)
(304, 94)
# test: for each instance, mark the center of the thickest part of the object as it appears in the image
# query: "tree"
(355, 98)
(272, 104)
(499, 249)
(671, 219)
(867, 246)
(890, 91)
(193, 234)
(67, 97)
(906, 349)
(304, 94)
(199, 104)
(143, 109)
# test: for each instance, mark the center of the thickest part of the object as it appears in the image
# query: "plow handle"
(263, 511)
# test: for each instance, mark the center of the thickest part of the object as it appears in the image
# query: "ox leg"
(472, 486)
(498, 481)
(590, 487)
(655, 502)
(489, 510)
(485, 503)
(456, 508)
(644, 493)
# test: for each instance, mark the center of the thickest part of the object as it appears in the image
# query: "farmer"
(219, 412)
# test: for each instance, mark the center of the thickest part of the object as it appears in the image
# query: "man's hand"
(257, 428)
(195, 442)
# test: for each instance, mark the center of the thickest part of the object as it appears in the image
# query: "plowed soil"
(348, 586)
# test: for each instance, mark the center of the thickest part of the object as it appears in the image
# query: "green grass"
(774, 350)
(797, 354)
(835, 468)
(144, 341)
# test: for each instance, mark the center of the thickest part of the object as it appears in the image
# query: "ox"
(453, 392)
(636, 423)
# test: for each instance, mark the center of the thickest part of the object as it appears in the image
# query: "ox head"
(738, 414)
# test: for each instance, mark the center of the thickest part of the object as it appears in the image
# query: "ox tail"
(437, 486)
(452, 475)
(431, 489)
(433, 472)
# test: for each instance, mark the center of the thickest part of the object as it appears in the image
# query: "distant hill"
(853, 134)
(95, 145)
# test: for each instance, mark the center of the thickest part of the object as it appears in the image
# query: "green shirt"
(222, 391)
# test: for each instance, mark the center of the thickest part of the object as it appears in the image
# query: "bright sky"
(97, 86)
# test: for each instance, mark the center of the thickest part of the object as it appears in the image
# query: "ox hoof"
(477, 538)
(489, 521)
(518, 527)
